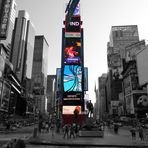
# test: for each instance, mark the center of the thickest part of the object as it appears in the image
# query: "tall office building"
(39, 73)
(23, 46)
(7, 20)
(51, 93)
(120, 37)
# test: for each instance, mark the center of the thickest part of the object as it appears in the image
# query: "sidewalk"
(109, 139)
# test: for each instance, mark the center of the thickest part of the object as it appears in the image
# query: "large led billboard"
(72, 51)
(71, 9)
(85, 79)
(76, 11)
(72, 78)
(70, 109)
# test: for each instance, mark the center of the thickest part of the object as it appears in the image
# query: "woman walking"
(133, 133)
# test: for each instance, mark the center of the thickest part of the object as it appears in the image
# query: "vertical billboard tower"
(72, 63)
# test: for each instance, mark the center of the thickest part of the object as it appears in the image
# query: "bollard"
(35, 132)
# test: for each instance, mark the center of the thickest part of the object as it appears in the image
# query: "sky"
(98, 17)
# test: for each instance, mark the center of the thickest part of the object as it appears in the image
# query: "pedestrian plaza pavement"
(123, 138)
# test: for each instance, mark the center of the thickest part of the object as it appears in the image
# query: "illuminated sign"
(69, 99)
(58, 80)
(72, 96)
(74, 25)
(72, 51)
(72, 34)
(70, 109)
(72, 78)
(5, 19)
(85, 79)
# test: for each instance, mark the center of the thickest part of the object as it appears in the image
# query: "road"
(110, 138)
(22, 133)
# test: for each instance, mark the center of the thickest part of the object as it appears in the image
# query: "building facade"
(120, 38)
(131, 88)
(51, 93)
(39, 72)
(23, 46)
(7, 20)
(102, 96)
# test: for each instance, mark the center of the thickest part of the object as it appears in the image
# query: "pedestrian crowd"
(55, 126)
(137, 132)
(70, 130)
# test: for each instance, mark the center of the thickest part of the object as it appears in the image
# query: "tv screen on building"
(74, 25)
(72, 78)
(70, 109)
(72, 51)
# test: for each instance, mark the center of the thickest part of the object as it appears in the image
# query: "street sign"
(71, 8)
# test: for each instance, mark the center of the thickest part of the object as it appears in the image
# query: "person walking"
(116, 127)
(52, 128)
(133, 133)
(47, 127)
(76, 128)
(141, 136)
(72, 131)
(66, 131)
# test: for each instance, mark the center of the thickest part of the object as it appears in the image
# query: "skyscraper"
(23, 46)
(39, 72)
(120, 37)
(51, 81)
(7, 19)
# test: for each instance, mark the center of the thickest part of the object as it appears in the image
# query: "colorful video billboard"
(72, 78)
(72, 51)
(70, 109)
(76, 11)
(85, 78)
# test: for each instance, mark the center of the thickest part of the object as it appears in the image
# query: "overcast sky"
(98, 16)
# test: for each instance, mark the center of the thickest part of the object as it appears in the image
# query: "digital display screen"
(77, 10)
(70, 109)
(72, 51)
(74, 25)
(72, 78)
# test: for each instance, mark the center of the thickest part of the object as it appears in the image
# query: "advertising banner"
(5, 19)
(72, 78)
(71, 9)
(2, 65)
(72, 51)
(74, 25)
(85, 79)
(140, 99)
(70, 109)
(5, 96)
(129, 104)
(142, 67)
(72, 96)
